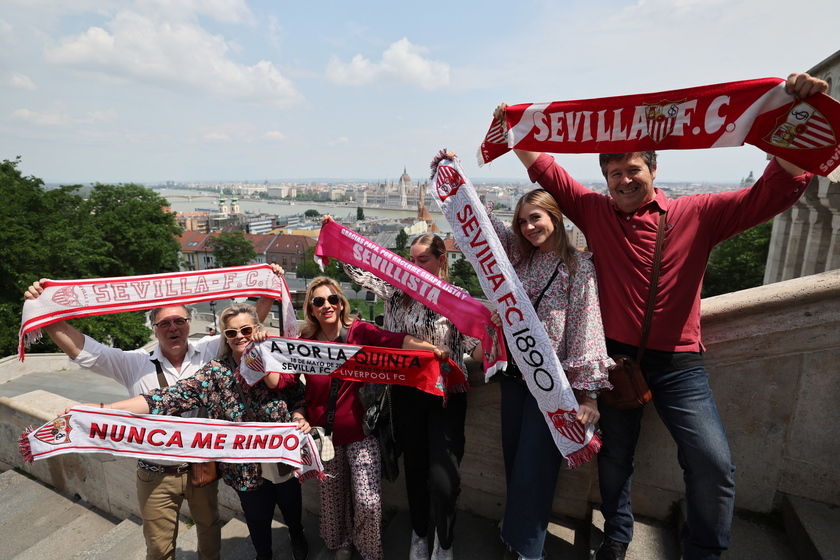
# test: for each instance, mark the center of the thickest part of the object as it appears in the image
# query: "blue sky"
(153, 90)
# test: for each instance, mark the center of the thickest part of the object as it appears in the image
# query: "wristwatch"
(591, 394)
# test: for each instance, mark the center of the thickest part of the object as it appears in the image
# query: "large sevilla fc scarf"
(466, 313)
(758, 112)
(68, 299)
(529, 344)
(152, 437)
(374, 364)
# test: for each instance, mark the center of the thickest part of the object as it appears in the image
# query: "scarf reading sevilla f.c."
(393, 366)
(529, 344)
(466, 313)
(68, 299)
(758, 112)
(86, 429)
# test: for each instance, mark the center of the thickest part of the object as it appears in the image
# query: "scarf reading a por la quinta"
(86, 429)
(68, 299)
(372, 364)
(758, 112)
(528, 342)
(466, 313)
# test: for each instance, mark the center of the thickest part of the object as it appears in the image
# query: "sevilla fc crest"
(565, 423)
(803, 128)
(67, 297)
(448, 181)
(661, 118)
(56, 433)
(253, 360)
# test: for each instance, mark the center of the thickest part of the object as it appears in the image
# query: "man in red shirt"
(621, 232)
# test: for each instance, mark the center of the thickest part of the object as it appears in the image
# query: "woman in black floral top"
(219, 389)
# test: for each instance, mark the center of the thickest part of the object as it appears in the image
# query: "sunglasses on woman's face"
(246, 331)
(319, 301)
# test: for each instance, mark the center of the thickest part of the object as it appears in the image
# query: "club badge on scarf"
(373, 364)
(758, 112)
(68, 299)
(466, 313)
(530, 346)
(87, 429)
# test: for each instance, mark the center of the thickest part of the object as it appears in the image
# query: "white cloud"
(343, 140)
(22, 81)
(215, 137)
(403, 63)
(49, 117)
(274, 136)
(225, 11)
(172, 55)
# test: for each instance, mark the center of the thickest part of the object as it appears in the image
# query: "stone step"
(652, 539)
(123, 541)
(813, 528)
(38, 523)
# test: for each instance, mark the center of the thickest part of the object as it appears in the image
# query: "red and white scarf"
(757, 112)
(68, 299)
(466, 313)
(530, 346)
(152, 437)
(374, 364)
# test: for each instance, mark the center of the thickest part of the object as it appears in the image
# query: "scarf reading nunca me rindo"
(529, 344)
(86, 429)
(467, 314)
(68, 299)
(757, 112)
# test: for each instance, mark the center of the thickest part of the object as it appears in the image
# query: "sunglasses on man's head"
(179, 322)
(319, 301)
(231, 333)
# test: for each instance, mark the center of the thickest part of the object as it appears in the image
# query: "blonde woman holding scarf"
(431, 428)
(276, 398)
(560, 282)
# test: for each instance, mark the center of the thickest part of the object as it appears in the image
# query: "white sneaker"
(419, 548)
(441, 554)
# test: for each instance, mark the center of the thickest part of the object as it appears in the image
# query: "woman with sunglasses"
(431, 428)
(224, 394)
(350, 497)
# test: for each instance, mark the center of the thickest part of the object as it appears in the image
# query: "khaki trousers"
(160, 497)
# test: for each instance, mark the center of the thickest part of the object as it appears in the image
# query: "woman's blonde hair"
(562, 246)
(312, 326)
(228, 314)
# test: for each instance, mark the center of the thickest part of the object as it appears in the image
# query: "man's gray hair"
(153, 313)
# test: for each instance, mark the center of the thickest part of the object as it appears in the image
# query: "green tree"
(360, 213)
(232, 249)
(461, 274)
(401, 240)
(738, 263)
(58, 234)
(311, 213)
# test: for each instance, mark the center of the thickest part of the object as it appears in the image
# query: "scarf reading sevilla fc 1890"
(757, 112)
(69, 299)
(529, 344)
(466, 313)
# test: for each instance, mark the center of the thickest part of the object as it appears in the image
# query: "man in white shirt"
(161, 486)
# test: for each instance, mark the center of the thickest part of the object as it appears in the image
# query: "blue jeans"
(532, 464)
(685, 404)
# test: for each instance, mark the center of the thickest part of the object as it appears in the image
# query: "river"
(203, 200)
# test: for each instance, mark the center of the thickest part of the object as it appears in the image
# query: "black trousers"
(258, 506)
(433, 445)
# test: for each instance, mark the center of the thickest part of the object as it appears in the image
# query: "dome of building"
(404, 178)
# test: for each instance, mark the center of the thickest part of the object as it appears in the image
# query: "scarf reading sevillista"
(466, 313)
(757, 112)
(371, 364)
(529, 344)
(68, 299)
(86, 429)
